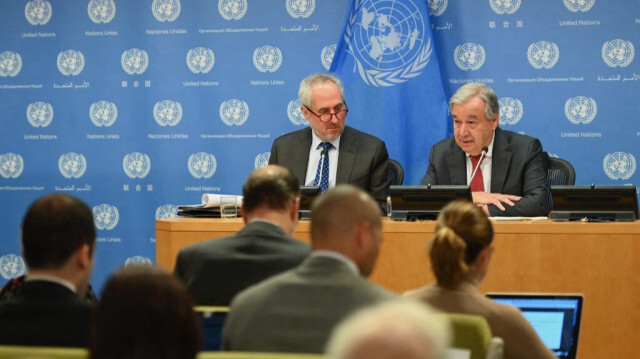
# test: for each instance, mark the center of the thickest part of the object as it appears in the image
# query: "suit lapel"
(346, 156)
(457, 162)
(500, 161)
(300, 156)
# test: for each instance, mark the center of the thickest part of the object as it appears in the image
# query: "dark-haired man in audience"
(58, 242)
(216, 270)
(296, 310)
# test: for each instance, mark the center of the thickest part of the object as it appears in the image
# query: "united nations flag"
(166, 211)
(10, 64)
(262, 159)
(106, 216)
(387, 61)
(138, 261)
(295, 114)
(40, 114)
(12, 266)
(38, 12)
(510, 111)
(103, 113)
(232, 9)
(101, 11)
(11, 165)
(72, 165)
(136, 165)
(300, 9)
(234, 112)
(619, 165)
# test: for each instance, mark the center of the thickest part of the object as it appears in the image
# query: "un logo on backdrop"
(300, 8)
(267, 58)
(326, 56)
(232, 9)
(262, 159)
(501, 7)
(510, 110)
(12, 266)
(103, 113)
(200, 60)
(38, 12)
(70, 62)
(105, 216)
(295, 113)
(72, 165)
(101, 11)
(166, 211)
(202, 165)
(134, 61)
(543, 54)
(234, 112)
(437, 7)
(10, 64)
(579, 5)
(618, 53)
(11, 165)
(388, 41)
(469, 56)
(165, 10)
(138, 261)
(619, 165)
(136, 165)
(580, 109)
(40, 114)
(167, 113)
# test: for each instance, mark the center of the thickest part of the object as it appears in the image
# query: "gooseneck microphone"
(485, 149)
(323, 154)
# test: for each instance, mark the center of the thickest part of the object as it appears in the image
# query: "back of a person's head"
(145, 312)
(397, 329)
(53, 228)
(462, 232)
(272, 186)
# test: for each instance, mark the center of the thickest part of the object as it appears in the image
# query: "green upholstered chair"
(35, 352)
(472, 335)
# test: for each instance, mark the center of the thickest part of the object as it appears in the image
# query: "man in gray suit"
(296, 310)
(510, 179)
(345, 154)
(216, 270)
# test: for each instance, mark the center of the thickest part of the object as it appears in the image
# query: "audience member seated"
(216, 270)
(145, 312)
(58, 241)
(460, 253)
(296, 310)
(396, 329)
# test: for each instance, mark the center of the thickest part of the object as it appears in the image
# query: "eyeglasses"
(326, 117)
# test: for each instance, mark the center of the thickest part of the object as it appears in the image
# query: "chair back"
(396, 173)
(36, 352)
(560, 172)
(212, 320)
(473, 335)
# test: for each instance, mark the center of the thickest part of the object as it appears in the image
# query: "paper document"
(213, 200)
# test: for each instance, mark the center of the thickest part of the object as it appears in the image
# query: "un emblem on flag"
(580, 109)
(165, 10)
(134, 61)
(510, 110)
(138, 261)
(167, 113)
(72, 165)
(38, 12)
(166, 211)
(267, 58)
(469, 56)
(327, 55)
(234, 112)
(295, 113)
(618, 53)
(501, 7)
(579, 5)
(200, 60)
(543, 54)
(619, 165)
(262, 159)
(136, 165)
(40, 114)
(388, 41)
(10, 64)
(202, 165)
(70, 62)
(101, 11)
(103, 113)
(11, 165)
(106, 216)
(11, 266)
(232, 9)
(300, 8)
(437, 7)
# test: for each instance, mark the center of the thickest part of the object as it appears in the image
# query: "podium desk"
(599, 260)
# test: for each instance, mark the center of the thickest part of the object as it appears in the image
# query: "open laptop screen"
(555, 317)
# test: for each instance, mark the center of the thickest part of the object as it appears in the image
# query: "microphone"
(485, 149)
(323, 154)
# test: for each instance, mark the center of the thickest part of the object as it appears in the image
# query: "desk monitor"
(555, 318)
(594, 203)
(409, 203)
(307, 195)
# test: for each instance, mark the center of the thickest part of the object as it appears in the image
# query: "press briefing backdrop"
(139, 106)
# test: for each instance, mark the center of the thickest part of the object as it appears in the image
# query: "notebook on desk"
(555, 317)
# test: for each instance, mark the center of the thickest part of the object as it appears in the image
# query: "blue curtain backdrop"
(139, 106)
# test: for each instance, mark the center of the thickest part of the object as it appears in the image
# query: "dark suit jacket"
(216, 270)
(46, 314)
(296, 310)
(362, 160)
(516, 168)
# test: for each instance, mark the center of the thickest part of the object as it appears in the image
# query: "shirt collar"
(316, 141)
(53, 279)
(337, 256)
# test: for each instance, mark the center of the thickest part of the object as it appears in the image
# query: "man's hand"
(496, 199)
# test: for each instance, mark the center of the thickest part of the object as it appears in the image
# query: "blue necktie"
(322, 178)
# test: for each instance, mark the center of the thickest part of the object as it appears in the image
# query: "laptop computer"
(555, 317)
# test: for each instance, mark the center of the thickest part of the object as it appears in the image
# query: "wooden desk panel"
(599, 260)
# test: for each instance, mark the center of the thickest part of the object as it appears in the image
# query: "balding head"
(346, 219)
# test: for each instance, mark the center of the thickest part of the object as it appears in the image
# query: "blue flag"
(393, 86)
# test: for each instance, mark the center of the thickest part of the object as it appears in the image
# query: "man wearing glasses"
(330, 153)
